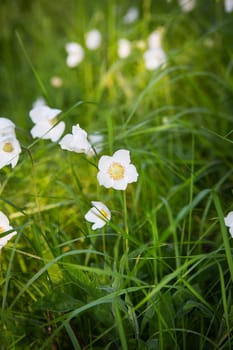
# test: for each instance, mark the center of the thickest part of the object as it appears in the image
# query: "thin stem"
(126, 229)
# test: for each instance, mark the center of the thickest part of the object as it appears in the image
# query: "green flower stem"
(126, 229)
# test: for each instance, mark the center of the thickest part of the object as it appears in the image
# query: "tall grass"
(159, 274)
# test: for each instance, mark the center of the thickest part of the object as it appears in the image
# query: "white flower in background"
(116, 171)
(7, 127)
(153, 58)
(99, 215)
(77, 141)
(93, 39)
(124, 48)
(4, 227)
(131, 15)
(96, 141)
(9, 151)
(228, 4)
(75, 54)
(229, 222)
(56, 82)
(154, 39)
(40, 101)
(45, 120)
(187, 5)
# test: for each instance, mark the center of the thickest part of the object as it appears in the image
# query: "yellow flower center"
(8, 147)
(53, 121)
(1, 230)
(104, 214)
(116, 171)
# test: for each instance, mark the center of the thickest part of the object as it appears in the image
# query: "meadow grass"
(159, 274)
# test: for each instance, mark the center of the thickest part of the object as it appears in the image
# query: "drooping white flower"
(229, 222)
(131, 15)
(93, 39)
(4, 227)
(77, 141)
(75, 54)
(7, 127)
(99, 215)
(116, 171)
(228, 4)
(9, 151)
(124, 48)
(153, 58)
(187, 5)
(45, 121)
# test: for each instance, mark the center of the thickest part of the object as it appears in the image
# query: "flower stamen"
(8, 147)
(116, 171)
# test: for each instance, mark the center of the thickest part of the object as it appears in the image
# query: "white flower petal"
(9, 151)
(93, 39)
(104, 179)
(122, 156)
(231, 231)
(55, 133)
(120, 184)
(104, 163)
(229, 219)
(228, 4)
(5, 239)
(4, 221)
(131, 173)
(99, 214)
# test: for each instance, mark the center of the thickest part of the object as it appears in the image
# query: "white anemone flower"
(99, 215)
(4, 227)
(7, 127)
(93, 39)
(228, 4)
(9, 151)
(229, 222)
(187, 5)
(153, 58)
(75, 54)
(77, 141)
(116, 171)
(46, 126)
(131, 15)
(124, 48)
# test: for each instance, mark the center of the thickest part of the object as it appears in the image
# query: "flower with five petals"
(116, 171)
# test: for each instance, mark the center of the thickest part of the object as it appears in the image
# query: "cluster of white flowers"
(114, 172)
(9, 145)
(154, 56)
(75, 51)
(5, 227)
